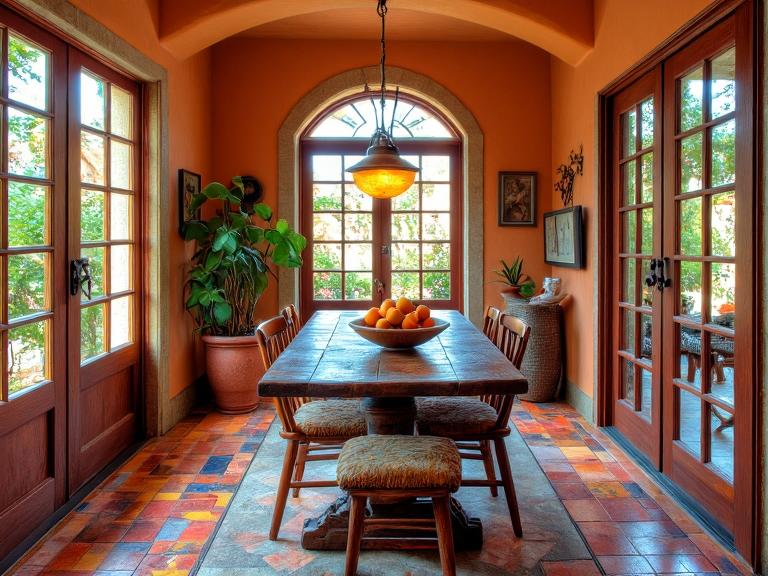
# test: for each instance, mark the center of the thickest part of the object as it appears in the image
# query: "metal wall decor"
(567, 174)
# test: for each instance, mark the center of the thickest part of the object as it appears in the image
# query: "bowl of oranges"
(399, 324)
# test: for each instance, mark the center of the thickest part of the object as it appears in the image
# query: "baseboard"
(181, 405)
(583, 404)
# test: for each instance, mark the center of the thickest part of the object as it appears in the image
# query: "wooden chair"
(393, 468)
(291, 316)
(471, 422)
(491, 323)
(307, 425)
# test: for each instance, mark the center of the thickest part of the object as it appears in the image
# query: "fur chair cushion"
(331, 418)
(399, 462)
(454, 416)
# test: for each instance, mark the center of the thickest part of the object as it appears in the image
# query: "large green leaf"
(282, 226)
(264, 211)
(195, 230)
(222, 311)
(223, 236)
(238, 219)
(274, 237)
(213, 260)
(255, 234)
(298, 241)
(197, 201)
(216, 190)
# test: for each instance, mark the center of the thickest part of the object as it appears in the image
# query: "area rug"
(241, 546)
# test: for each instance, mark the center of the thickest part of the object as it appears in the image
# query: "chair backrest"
(274, 336)
(513, 337)
(491, 323)
(293, 320)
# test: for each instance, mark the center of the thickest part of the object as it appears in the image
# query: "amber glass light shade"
(383, 173)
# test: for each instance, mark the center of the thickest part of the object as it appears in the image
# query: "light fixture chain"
(381, 10)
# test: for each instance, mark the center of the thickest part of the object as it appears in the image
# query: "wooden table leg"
(329, 530)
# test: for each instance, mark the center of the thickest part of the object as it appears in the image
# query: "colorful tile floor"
(156, 513)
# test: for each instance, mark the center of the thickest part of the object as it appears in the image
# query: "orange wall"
(506, 86)
(621, 39)
(189, 129)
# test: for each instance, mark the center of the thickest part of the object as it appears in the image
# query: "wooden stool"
(394, 468)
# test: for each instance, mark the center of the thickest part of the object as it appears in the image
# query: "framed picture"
(563, 238)
(189, 185)
(517, 198)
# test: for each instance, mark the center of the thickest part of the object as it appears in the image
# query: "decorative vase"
(234, 369)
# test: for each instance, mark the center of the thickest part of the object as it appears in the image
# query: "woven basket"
(543, 362)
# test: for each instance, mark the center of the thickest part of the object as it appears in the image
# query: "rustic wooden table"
(328, 360)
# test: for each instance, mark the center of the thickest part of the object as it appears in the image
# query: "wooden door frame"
(748, 535)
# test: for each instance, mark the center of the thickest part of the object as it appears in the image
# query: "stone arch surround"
(353, 82)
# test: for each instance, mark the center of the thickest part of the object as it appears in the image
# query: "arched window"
(363, 250)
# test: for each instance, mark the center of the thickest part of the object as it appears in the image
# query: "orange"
(404, 305)
(411, 321)
(386, 305)
(372, 316)
(395, 317)
(428, 323)
(423, 312)
(382, 323)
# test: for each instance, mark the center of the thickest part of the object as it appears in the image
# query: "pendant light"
(383, 173)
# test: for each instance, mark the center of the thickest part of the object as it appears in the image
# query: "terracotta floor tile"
(614, 565)
(679, 563)
(625, 510)
(571, 568)
(586, 510)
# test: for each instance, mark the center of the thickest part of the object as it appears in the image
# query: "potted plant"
(230, 270)
(518, 284)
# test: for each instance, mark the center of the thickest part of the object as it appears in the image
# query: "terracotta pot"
(234, 369)
(512, 292)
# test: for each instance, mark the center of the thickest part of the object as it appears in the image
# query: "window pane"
(120, 165)
(27, 214)
(690, 356)
(723, 294)
(120, 211)
(326, 226)
(646, 230)
(724, 153)
(408, 200)
(690, 163)
(92, 212)
(724, 224)
(91, 158)
(629, 282)
(358, 226)
(691, 90)
(646, 193)
(437, 286)
(91, 331)
(405, 256)
(326, 256)
(690, 289)
(435, 168)
(629, 170)
(120, 268)
(437, 256)
(436, 196)
(326, 285)
(436, 226)
(723, 364)
(721, 426)
(358, 257)
(120, 321)
(326, 197)
(121, 112)
(92, 101)
(629, 132)
(358, 286)
(405, 284)
(629, 231)
(646, 123)
(27, 356)
(690, 227)
(690, 422)
(354, 199)
(647, 291)
(27, 144)
(724, 83)
(27, 73)
(646, 337)
(96, 262)
(646, 394)
(326, 168)
(27, 285)
(628, 318)
(628, 381)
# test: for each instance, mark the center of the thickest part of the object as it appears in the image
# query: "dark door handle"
(662, 281)
(652, 279)
(80, 277)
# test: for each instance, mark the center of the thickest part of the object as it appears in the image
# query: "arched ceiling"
(562, 27)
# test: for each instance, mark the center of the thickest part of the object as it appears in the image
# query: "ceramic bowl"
(398, 337)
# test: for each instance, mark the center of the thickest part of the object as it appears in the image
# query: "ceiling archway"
(563, 28)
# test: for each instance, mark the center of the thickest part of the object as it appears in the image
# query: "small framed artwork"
(517, 198)
(563, 238)
(189, 185)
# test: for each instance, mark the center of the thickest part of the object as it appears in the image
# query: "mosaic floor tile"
(587, 510)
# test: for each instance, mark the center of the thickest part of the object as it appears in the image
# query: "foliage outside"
(231, 264)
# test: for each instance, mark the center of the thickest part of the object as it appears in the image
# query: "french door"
(362, 250)
(683, 288)
(69, 190)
